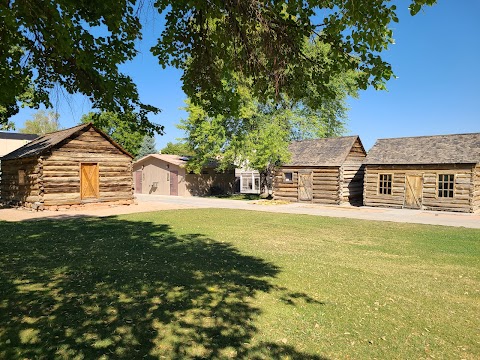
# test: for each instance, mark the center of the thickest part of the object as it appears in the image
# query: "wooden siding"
(462, 200)
(351, 175)
(476, 189)
(10, 189)
(60, 170)
(325, 184)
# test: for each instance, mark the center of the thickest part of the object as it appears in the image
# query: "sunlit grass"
(236, 284)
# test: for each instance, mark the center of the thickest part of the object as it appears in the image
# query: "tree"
(43, 122)
(80, 46)
(259, 138)
(178, 148)
(124, 132)
(147, 147)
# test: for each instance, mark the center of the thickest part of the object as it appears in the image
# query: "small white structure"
(249, 181)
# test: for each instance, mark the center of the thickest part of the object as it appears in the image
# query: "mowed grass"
(225, 284)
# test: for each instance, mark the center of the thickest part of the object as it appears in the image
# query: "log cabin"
(425, 172)
(166, 174)
(69, 167)
(325, 171)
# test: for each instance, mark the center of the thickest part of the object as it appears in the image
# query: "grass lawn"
(236, 284)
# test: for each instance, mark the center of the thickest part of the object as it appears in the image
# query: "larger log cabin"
(425, 172)
(68, 167)
(325, 171)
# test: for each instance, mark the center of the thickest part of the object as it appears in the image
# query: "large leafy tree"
(120, 127)
(79, 45)
(177, 148)
(42, 122)
(259, 135)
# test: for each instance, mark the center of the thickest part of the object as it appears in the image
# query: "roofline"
(427, 136)
(153, 155)
(17, 136)
(422, 163)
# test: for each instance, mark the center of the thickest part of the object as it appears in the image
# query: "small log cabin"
(425, 172)
(165, 174)
(325, 171)
(68, 167)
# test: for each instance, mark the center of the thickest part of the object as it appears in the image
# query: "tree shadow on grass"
(90, 288)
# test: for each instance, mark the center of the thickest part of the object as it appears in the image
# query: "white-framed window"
(385, 184)
(250, 182)
(445, 185)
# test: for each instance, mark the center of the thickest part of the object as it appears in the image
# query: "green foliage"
(178, 148)
(147, 147)
(124, 129)
(259, 136)
(43, 122)
(79, 45)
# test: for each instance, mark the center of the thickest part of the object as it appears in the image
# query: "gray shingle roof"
(321, 152)
(440, 149)
(50, 140)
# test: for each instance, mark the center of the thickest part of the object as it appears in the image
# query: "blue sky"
(436, 58)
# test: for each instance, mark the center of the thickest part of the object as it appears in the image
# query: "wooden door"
(174, 182)
(305, 192)
(413, 191)
(89, 181)
(138, 182)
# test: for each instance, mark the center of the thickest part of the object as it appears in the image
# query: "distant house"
(249, 181)
(425, 172)
(325, 171)
(68, 167)
(165, 174)
(10, 141)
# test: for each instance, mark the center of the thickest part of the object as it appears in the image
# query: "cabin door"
(305, 192)
(413, 191)
(138, 182)
(89, 181)
(174, 182)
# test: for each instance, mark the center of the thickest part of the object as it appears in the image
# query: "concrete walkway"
(158, 203)
(364, 212)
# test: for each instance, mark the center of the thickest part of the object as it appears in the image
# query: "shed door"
(413, 191)
(174, 182)
(138, 182)
(89, 181)
(305, 187)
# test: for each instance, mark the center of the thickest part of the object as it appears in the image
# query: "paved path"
(159, 202)
(364, 212)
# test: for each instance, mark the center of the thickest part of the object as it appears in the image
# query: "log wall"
(462, 200)
(325, 185)
(351, 176)
(11, 191)
(476, 189)
(60, 170)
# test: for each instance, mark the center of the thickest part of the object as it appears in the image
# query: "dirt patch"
(95, 210)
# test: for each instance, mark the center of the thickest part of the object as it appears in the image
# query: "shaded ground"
(87, 288)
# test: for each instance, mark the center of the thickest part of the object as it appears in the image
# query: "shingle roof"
(440, 149)
(48, 141)
(321, 152)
